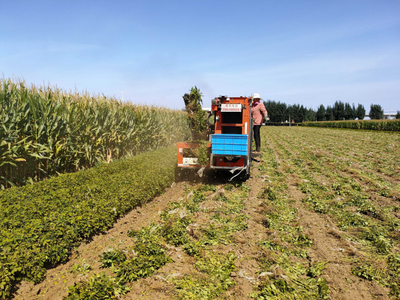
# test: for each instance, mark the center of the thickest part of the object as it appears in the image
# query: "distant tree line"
(281, 112)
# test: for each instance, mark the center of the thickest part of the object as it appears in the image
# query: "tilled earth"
(282, 244)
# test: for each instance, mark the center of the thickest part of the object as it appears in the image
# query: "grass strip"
(40, 224)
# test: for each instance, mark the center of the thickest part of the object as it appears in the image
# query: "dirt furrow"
(331, 245)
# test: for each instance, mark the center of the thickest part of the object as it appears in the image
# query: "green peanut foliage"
(41, 223)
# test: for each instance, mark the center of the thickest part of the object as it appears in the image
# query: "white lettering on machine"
(231, 107)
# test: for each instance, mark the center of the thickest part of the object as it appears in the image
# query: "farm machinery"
(228, 142)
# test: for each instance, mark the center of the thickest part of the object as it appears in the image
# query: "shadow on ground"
(209, 176)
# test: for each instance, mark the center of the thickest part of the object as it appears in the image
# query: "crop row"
(352, 192)
(284, 254)
(220, 210)
(381, 125)
(41, 223)
(209, 225)
(44, 131)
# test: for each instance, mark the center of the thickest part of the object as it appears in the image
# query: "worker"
(258, 113)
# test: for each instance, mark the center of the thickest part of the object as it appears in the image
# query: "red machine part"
(223, 107)
(219, 114)
(231, 115)
(188, 162)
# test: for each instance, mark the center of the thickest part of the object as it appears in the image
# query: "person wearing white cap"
(258, 112)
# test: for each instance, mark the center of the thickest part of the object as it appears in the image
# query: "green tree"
(376, 112)
(294, 112)
(329, 116)
(353, 108)
(398, 114)
(311, 115)
(338, 110)
(360, 112)
(321, 113)
(270, 106)
(281, 112)
(303, 113)
(277, 111)
(348, 112)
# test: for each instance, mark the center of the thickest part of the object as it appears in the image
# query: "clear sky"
(298, 51)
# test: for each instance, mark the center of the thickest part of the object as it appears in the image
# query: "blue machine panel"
(229, 144)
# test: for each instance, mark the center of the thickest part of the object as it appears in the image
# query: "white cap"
(255, 96)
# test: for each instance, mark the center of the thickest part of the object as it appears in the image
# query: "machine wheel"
(245, 176)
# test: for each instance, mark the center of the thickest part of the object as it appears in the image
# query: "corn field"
(380, 125)
(45, 131)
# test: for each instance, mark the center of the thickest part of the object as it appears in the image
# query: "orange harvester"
(230, 137)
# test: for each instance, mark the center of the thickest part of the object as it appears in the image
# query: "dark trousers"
(256, 129)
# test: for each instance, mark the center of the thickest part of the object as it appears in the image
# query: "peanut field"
(319, 218)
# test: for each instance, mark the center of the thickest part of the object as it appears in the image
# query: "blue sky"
(305, 52)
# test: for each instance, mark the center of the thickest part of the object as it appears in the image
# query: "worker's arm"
(263, 111)
(266, 118)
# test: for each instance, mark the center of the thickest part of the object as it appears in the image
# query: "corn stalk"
(45, 131)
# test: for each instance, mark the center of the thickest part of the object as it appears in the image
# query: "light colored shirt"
(257, 112)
